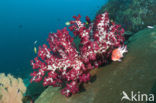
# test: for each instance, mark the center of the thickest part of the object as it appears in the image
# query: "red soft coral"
(61, 64)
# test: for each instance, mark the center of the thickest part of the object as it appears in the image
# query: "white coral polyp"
(123, 50)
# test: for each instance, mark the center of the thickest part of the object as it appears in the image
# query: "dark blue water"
(24, 21)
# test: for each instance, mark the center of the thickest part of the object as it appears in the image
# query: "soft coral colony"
(62, 65)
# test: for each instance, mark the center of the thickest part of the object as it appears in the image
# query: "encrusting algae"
(11, 89)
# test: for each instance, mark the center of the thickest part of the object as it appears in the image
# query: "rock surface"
(137, 72)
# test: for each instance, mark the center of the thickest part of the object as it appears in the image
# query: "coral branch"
(11, 89)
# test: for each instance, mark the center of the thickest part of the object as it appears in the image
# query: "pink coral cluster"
(62, 65)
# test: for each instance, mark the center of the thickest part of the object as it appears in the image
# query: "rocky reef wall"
(133, 15)
(135, 73)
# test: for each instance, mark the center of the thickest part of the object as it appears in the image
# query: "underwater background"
(22, 22)
(26, 24)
